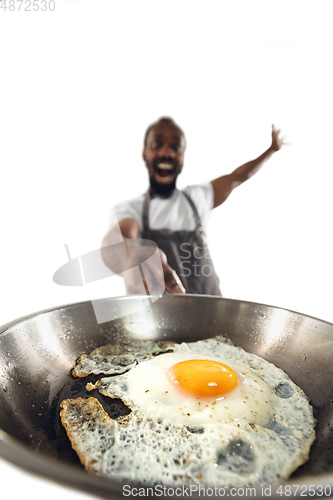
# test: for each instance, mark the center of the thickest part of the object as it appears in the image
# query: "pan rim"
(9, 324)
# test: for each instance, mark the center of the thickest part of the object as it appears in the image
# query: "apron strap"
(194, 209)
(145, 215)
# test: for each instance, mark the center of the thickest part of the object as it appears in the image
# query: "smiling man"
(175, 220)
(163, 153)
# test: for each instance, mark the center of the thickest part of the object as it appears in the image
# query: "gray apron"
(187, 252)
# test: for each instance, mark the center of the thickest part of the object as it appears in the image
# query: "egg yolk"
(202, 378)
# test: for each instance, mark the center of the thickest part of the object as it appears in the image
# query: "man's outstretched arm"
(223, 186)
(123, 258)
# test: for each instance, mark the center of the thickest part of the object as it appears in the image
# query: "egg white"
(248, 443)
(148, 387)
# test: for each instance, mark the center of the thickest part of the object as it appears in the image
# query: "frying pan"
(38, 352)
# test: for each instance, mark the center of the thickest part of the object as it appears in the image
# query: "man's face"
(164, 156)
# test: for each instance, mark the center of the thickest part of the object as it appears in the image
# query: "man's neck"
(165, 192)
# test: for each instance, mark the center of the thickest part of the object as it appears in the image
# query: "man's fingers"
(134, 283)
(153, 282)
(284, 142)
(172, 282)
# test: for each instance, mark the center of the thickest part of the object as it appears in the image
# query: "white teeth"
(165, 166)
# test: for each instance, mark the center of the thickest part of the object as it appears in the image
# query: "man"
(174, 219)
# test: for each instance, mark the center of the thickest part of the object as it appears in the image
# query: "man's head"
(163, 153)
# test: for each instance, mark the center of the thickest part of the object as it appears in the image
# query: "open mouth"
(164, 172)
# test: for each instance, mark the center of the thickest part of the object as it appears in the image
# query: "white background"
(80, 85)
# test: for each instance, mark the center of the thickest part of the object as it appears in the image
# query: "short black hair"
(161, 120)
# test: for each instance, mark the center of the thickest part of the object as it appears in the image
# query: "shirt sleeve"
(132, 209)
(203, 198)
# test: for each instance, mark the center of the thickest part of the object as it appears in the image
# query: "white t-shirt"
(174, 212)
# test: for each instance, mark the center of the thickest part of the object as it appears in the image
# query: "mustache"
(164, 159)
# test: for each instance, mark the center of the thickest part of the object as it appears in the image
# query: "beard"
(162, 189)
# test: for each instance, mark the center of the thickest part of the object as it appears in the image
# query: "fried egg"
(206, 413)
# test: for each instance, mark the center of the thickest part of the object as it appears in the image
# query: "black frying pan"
(37, 354)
